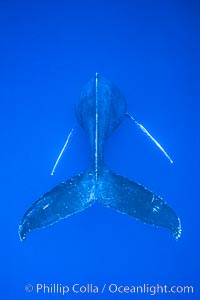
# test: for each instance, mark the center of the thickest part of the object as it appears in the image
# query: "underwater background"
(151, 51)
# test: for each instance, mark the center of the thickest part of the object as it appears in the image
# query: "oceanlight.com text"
(109, 288)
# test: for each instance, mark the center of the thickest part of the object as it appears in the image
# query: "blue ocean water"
(49, 50)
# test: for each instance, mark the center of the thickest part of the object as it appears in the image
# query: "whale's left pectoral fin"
(61, 202)
(133, 199)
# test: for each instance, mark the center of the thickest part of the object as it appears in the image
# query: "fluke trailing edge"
(101, 109)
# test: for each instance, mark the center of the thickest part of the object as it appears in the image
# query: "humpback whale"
(101, 108)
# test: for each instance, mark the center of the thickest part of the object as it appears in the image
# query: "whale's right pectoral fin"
(61, 202)
(133, 199)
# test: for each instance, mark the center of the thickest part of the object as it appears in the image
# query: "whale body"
(101, 108)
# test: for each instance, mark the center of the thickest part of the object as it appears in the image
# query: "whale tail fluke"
(67, 198)
(135, 200)
(111, 190)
